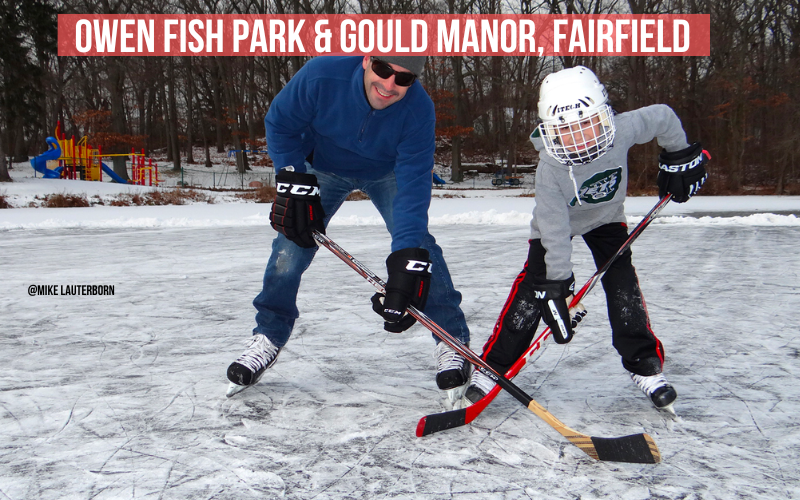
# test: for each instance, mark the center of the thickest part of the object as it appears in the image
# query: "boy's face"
(580, 136)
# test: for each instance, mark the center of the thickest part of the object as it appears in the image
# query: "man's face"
(381, 93)
(579, 136)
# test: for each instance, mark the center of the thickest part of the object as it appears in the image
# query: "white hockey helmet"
(577, 121)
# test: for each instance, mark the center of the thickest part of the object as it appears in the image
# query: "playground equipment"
(503, 179)
(143, 173)
(70, 159)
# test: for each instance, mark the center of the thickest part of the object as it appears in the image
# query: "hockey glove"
(552, 296)
(297, 209)
(408, 283)
(682, 173)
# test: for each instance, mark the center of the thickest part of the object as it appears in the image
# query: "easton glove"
(408, 283)
(297, 209)
(682, 173)
(552, 296)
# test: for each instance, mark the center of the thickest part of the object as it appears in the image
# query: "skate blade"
(669, 410)
(234, 389)
(454, 398)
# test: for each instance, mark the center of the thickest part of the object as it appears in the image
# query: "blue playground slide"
(40, 162)
(54, 153)
(112, 174)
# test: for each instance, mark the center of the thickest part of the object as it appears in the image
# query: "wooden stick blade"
(636, 448)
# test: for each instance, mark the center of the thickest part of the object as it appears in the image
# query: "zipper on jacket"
(364, 125)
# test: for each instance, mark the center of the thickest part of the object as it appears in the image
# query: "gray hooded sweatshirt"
(571, 201)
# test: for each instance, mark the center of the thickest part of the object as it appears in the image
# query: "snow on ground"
(123, 396)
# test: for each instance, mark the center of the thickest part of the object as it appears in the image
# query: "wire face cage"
(579, 141)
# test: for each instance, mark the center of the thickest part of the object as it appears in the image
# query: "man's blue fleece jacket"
(323, 109)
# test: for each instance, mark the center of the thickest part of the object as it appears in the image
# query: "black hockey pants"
(641, 352)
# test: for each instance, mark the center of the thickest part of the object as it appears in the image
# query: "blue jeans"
(277, 302)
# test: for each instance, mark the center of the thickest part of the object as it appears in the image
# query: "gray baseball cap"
(414, 64)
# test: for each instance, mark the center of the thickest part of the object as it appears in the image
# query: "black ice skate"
(250, 366)
(479, 386)
(452, 372)
(661, 393)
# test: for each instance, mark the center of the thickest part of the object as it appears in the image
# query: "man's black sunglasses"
(384, 71)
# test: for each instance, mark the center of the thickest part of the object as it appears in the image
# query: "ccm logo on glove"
(419, 266)
(297, 210)
(409, 280)
(297, 189)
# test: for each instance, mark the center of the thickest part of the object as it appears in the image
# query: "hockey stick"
(636, 448)
(455, 418)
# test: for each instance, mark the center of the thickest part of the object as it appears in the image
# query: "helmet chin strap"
(575, 185)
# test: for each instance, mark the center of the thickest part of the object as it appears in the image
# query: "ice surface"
(124, 396)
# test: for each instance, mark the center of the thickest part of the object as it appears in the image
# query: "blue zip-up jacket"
(323, 109)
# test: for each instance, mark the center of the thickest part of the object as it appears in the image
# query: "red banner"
(433, 35)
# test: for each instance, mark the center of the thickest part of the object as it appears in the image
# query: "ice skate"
(479, 386)
(251, 365)
(452, 373)
(656, 387)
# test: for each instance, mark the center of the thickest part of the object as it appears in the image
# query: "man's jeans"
(277, 302)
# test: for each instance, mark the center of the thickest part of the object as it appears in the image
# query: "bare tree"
(4, 175)
(741, 101)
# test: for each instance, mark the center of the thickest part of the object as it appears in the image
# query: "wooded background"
(741, 102)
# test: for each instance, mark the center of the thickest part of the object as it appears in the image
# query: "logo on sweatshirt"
(600, 187)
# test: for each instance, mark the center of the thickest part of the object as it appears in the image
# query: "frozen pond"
(123, 396)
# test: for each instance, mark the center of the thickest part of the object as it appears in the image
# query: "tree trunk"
(149, 122)
(164, 109)
(20, 154)
(499, 139)
(4, 175)
(233, 116)
(173, 117)
(57, 112)
(189, 110)
(251, 102)
(116, 89)
(456, 171)
(204, 132)
(218, 115)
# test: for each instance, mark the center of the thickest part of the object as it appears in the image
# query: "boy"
(581, 182)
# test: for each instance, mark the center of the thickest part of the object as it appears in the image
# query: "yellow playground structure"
(71, 159)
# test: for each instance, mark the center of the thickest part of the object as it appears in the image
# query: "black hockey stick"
(637, 448)
(456, 418)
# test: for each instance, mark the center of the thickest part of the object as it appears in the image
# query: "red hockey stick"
(636, 448)
(455, 418)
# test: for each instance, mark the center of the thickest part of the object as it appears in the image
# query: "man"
(344, 124)
(580, 189)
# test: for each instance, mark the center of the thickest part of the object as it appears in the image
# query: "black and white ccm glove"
(408, 283)
(297, 209)
(682, 173)
(552, 296)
